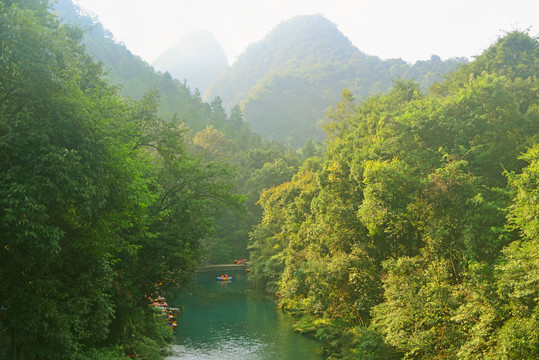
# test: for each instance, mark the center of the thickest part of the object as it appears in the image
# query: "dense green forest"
(210, 133)
(106, 167)
(285, 82)
(102, 206)
(411, 233)
(416, 235)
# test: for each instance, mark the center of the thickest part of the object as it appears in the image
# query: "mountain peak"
(286, 81)
(299, 38)
(196, 57)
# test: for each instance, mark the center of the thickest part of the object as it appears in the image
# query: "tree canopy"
(416, 230)
(101, 206)
(411, 233)
(286, 81)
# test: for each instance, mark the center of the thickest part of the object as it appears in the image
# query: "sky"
(408, 29)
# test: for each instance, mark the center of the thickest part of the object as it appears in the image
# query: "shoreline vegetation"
(411, 233)
(415, 235)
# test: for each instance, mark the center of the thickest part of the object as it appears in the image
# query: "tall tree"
(99, 201)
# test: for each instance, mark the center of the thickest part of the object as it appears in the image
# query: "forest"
(101, 206)
(286, 81)
(416, 234)
(410, 233)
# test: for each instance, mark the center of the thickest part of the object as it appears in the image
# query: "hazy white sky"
(409, 29)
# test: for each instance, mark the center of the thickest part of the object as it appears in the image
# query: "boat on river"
(224, 278)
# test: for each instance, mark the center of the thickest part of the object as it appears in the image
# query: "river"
(223, 320)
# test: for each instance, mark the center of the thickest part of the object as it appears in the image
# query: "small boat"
(224, 277)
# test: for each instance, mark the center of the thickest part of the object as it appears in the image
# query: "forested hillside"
(412, 233)
(285, 82)
(416, 235)
(134, 76)
(110, 195)
(101, 205)
(210, 133)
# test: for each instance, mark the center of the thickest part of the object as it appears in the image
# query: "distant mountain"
(132, 74)
(197, 58)
(214, 135)
(286, 82)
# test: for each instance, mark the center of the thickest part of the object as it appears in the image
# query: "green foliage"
(102, 354)
(101, 206)
(287, 81)
(417, 314)
(517, 278)
(359, 342)
(513, 56)
(419, 224)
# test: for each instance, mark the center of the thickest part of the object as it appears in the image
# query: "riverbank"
(339, 339)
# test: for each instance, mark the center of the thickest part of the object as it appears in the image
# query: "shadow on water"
(224, 320)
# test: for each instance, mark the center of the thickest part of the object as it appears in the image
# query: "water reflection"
(226, 321)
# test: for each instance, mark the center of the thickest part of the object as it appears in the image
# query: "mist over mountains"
(283, 84)
(411, 232)
(196, 57)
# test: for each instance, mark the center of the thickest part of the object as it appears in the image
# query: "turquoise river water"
(223, 320)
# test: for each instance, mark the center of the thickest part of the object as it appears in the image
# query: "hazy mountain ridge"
(197, 57)
(284, 83)
(316, 61)
(294, 45)
(135, 76)
(124, 68)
